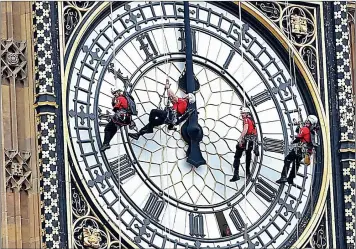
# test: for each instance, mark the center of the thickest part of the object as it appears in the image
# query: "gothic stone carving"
(13, 59)
(18, 172)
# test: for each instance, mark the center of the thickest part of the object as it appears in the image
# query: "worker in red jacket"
(122, 117)
(245, 143)
(303, 147)
(169, 115)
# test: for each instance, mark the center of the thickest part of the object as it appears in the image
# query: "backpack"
(314, 139)
(131, 104)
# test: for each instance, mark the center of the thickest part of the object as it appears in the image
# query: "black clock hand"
(191, 131)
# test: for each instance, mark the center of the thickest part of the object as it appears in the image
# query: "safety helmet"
(190, 97)
(312, 119)
(245, 110)
(115, 90)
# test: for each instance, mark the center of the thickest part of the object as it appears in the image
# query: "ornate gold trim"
(45, 93)
(50, 103)
(348, 150)
(46, 113)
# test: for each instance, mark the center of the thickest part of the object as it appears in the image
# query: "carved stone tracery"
(13, 59)
(18, 172)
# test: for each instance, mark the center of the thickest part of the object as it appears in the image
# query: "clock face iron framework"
(165, 202)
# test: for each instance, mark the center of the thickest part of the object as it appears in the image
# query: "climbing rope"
(292, 77)
(244, 105)
(164, 152)
(118, 133)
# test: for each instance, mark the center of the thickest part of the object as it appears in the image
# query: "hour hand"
(192, 134)
(195, 134)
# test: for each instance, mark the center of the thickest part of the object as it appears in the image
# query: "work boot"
(135, 136)
(105, 147)
(282, 180)
(236, 176)
(290, 181)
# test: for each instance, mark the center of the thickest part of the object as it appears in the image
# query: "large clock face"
(166, 202)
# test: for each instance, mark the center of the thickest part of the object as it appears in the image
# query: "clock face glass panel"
(161, 194)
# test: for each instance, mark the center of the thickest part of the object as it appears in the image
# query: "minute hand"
(191, 130)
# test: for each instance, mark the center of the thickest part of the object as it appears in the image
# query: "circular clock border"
(309, 82)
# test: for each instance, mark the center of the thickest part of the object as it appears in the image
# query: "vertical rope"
(118, 133)
(244, 105)
(164, 152)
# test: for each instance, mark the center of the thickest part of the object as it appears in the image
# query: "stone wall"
(20, 205)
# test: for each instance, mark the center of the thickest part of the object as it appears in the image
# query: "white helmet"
(245, 110)
(115, 90)
(190, 97)
(312, 119)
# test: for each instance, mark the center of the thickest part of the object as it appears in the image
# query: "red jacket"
(120, 103)
(251, 126)
(304, 135)
(180, 106)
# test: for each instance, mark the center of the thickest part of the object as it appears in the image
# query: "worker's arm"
(243, 133)
(171, 94)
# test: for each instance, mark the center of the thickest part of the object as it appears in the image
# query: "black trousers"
(110, 131)
(238, 154)
(294, 157)
(156, 118)
(111, 128)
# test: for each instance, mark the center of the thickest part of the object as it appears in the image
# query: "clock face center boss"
(186, 126)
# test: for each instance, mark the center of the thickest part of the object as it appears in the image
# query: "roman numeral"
(119, 75)
(196, 225)
(126, 168)
(273, 145)
(265, 190)
(237, 219)
(237, 44)
(222, 223)
(147, 46)
(260, 98)
(182, 41)
(154, 206)
(231, 56)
